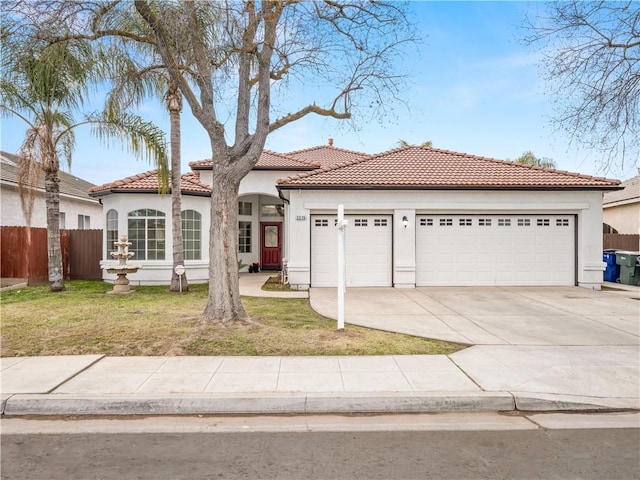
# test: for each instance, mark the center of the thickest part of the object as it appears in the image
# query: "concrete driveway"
(494, 315)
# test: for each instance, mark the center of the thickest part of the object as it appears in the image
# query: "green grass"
(85, 320)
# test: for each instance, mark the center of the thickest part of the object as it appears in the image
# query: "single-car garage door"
(368, 251)
(495, 250)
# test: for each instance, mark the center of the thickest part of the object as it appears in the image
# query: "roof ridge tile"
(332, 147)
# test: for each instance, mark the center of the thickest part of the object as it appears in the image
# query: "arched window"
(112, 231)
(146, 233)
(191, 234)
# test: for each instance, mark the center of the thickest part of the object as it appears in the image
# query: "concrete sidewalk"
(496, 378)
(537, 350)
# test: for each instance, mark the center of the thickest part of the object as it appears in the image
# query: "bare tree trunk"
(54, 250)
(223, 303)
(174, 104)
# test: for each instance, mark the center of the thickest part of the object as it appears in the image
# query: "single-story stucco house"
(418, 216)
(621, 209)
(77, 209)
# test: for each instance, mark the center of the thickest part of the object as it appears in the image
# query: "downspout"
(280, 195)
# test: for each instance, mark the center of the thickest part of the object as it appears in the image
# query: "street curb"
(546, 402)
(232, 404)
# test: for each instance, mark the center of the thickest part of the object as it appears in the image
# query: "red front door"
(271, 245)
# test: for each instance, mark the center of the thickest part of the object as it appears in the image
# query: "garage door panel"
(368, 247)
(495, 250)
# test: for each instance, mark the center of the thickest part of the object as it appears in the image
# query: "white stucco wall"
(157, 272)
(256, 181)
(11, 210)
(258, 188)
(587, 206)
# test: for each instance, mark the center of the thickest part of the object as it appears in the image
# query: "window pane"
(272, 210)
(146, 230)
(112, 230)
(244, 237)
(191, 232)
(244, 208)
(271, 236)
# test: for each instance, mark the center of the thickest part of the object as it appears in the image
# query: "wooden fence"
(23, 254)
(618, 241)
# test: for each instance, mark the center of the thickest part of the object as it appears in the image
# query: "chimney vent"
(330, 142)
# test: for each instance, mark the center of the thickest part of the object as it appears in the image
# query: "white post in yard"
(342, 223)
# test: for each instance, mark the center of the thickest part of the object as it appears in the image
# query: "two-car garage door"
(451, 250)
(495, 250)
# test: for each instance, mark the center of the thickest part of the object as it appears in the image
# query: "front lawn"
(85, 320)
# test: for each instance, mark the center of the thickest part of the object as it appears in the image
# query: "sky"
(472, 86)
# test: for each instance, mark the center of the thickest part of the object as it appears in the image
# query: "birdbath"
(123, 254)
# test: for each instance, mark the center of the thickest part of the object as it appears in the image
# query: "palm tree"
(134, 83)
(528, 158)
(174, 105)
(401, 143)
(46, 85)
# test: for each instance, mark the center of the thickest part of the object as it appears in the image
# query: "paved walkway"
(530, 360)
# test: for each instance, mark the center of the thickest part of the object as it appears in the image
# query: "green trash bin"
(629, 275)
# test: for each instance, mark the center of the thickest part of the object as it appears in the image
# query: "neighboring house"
(621, 208)
(77, 209)
(417, 216)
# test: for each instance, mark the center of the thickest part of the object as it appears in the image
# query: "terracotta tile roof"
(431, 168)
(629, 194)
(148, 182)
(327, 155)
(69, 184)
(268, 161)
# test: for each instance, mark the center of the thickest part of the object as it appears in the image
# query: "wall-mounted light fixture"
(405, 221)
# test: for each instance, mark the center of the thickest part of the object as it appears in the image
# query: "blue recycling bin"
(612, 271)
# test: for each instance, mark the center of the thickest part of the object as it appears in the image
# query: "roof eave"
(619, 203)
(110, 191)
(446, 187)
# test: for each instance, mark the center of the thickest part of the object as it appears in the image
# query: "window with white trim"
(446, 222)
(379, 222)
(426, 222)
(360, 222)
(542, 222)
(524, 222)
(244, 237)
(146, 231)
(465, 222)
(62, 219)
(272, 210)
(84, 222)
(484, 222)
(504, 222)
(112, 230)
(562, 222)
(244, 208)
(192, 234)
(321, 222)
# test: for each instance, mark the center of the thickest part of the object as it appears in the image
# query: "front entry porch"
(260, 231)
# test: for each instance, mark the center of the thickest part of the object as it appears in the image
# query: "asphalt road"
(521, 454)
